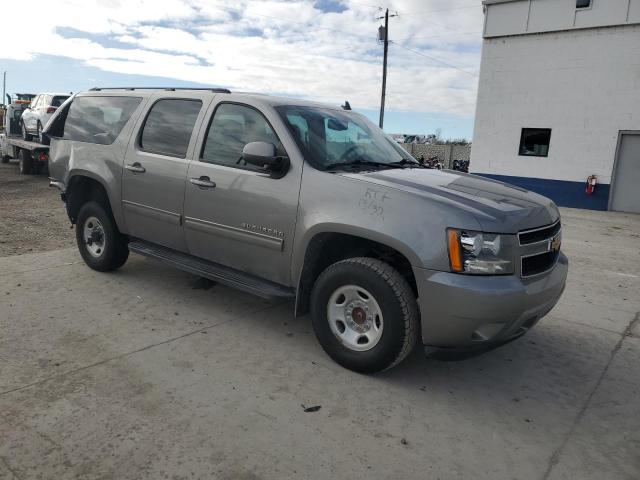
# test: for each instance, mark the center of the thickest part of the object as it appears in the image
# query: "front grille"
(539, 234)
(537, 264)
(539, 249)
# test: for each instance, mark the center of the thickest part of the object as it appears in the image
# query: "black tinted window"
(534, 142)
(232, 127)
(583, 3)
(169, 125)
(98, 119)
(58, 100)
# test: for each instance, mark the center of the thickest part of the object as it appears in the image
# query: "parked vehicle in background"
(461, 165)
(32, 157)
(36, 116)
(291, 199)
(433, 162)
(11, 112)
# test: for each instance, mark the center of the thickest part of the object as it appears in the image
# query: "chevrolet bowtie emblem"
(555, 243)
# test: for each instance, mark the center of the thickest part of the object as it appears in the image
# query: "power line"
(289, 20)
(336, 30)
(473, 74)
(462, 7)
(367, 5)
(421, 12)
(423, 37)
(437, 24)
(307, 24)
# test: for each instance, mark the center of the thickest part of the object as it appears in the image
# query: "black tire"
(115, 251)
(25, 135)
(25, 162)
(396, 301)
(5, 159)
(40, 168)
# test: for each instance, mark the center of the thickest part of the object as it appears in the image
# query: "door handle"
(136, 168)
(203, 182)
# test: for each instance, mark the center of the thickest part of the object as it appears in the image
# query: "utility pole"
(383, 34)
(4, 87)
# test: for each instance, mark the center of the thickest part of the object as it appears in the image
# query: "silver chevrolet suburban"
(284, 198)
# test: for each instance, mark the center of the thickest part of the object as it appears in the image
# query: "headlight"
(478, 253)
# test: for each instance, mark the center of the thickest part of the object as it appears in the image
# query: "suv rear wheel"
(102, 246)
(364, 314)
(25, 134)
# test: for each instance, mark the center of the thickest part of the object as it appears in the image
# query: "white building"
(559, 100)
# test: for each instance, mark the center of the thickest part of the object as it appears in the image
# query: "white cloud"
(286, 47)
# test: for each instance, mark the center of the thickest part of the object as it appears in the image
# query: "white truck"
(32, 156)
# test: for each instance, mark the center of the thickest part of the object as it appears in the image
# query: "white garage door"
(625, 196)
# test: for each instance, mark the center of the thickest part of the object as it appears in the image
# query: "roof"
(505, 18)
(264, 98)
(490, 2)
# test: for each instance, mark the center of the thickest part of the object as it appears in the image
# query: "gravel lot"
(32, 217)
(151, 373)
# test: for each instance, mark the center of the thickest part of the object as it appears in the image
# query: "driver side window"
(232, 127)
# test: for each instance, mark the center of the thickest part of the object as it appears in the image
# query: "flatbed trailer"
(33, 157)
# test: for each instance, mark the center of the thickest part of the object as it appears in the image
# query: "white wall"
(583, 84)
(520, 17)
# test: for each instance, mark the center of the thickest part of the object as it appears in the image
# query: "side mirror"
(263, 155)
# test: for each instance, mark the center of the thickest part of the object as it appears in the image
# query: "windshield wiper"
(409, 163)
(361, 164)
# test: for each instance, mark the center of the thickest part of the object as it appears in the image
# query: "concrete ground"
(152, 373)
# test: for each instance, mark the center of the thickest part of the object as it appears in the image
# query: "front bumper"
(475, 313)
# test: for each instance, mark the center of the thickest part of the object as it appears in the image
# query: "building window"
(534, 142)
(583, 3)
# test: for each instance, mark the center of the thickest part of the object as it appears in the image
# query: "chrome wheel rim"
(355, 318)
(94, 238)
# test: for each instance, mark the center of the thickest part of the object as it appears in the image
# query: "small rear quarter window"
(58, 100)
(98, 119)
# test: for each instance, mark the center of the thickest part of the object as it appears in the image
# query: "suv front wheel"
(102, 246)
(364, 314)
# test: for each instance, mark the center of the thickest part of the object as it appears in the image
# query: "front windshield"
(333, 139)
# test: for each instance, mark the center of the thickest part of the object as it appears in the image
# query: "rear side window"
(169, 125)
(58, 100)
(98, 119)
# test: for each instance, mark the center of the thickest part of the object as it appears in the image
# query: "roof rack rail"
(168, 89)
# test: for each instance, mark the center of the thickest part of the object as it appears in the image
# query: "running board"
(213, 271)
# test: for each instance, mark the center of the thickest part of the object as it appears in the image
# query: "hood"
(497, 206)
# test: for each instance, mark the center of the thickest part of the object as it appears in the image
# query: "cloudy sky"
(323, 50)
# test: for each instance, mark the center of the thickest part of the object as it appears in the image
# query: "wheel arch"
(330, 245)
(84, 186)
